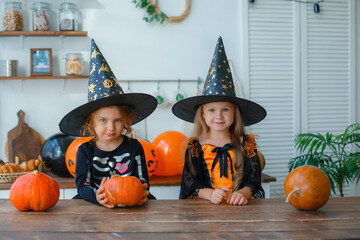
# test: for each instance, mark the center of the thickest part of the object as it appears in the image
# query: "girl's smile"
(219, 116)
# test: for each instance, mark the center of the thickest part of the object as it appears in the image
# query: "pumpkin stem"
(296, 190)
(36, 172)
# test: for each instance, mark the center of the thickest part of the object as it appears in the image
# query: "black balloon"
(53, 153)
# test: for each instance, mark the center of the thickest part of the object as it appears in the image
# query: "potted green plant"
(337, 155)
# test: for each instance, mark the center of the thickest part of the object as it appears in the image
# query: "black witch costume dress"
(207, 166)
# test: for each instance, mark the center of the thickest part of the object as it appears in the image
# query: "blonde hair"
(128, 116)
(237, 132)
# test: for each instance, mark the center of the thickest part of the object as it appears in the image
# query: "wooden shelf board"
(42, 77)
(43, 33)
(69, 182)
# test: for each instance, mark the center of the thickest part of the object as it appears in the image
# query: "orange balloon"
(70, 155)
(170, 149)
(150, 156)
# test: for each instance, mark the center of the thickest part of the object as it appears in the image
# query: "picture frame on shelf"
(41, 61)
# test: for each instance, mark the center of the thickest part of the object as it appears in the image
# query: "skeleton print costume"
(93, 164)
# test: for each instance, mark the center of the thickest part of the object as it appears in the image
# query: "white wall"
(134, 49)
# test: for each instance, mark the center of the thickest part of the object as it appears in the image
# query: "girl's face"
(108, 123)
(219, 116)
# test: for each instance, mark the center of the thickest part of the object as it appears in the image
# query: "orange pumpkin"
(34, 191)
(70, 156)
(124, 191)
(262, 160)
(150, 156)
(170, 149)
(307, 188)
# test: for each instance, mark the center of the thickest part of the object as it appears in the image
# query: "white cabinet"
(4, 194)
(160, 192)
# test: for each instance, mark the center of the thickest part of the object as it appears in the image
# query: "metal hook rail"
(160, 80)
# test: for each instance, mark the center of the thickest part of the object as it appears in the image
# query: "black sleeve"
(84, 188)
(141, 168)
(252, 176)
(194, 175)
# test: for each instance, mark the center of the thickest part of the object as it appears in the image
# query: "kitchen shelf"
(43, 33)
(42, 77)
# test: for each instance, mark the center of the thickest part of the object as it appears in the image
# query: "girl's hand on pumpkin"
(146, 193)
(218, 195)
(237, 198)
(101, 196)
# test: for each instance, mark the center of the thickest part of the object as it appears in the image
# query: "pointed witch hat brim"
(251, 112)
(143, 104)
(104, 90)
(219, 87)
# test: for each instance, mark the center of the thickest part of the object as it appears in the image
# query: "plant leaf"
(144, 4)
(163, 15)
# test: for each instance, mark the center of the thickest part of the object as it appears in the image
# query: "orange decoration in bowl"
(70, 156)
(34, 191)
(262, 160)
(170, 148)
(124, 191)
(150, 156)
(73, 67)
(73, 64)
(307, 188)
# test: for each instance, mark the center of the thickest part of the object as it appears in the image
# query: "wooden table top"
(154, 181)
(183, 219)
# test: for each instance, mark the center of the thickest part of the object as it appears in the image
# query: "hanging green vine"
(151, 14)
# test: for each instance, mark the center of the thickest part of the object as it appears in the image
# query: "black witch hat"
(104, 90)
(219, 87)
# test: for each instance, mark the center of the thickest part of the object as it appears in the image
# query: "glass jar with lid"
(69, 17)
(73, 63)
(40, 16)
(13, 17)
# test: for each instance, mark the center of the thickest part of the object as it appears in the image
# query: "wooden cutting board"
(23, 141)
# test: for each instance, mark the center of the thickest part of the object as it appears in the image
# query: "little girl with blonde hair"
(221, 160)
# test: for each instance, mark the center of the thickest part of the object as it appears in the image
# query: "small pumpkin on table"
(124, 191)
(34, 191)
(307, 188)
